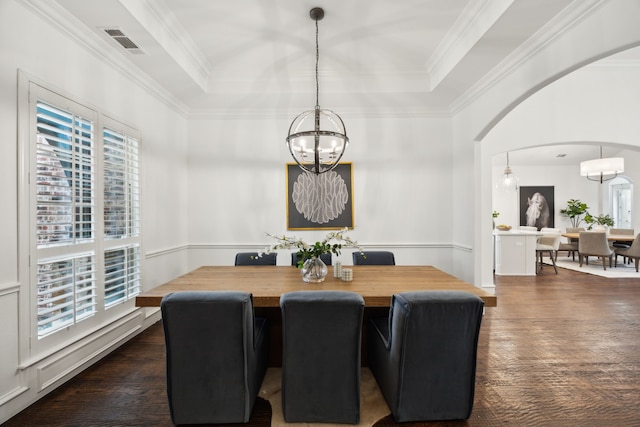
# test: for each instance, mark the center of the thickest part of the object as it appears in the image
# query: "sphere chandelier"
(317, 138)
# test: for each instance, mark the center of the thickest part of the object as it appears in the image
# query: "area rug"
(595, 267)
(389, 421)
(374, 411)
(372, 405)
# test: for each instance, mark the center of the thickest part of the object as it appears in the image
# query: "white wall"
(29, 43)
(402, 187)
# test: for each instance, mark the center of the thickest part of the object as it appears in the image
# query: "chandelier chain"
(317, 60)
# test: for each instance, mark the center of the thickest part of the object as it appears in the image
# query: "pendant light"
(508, 181)
(602, 169)
(317, 138)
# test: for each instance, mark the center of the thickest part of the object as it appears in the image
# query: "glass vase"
(314, 270)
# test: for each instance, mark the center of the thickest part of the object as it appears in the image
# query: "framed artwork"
(537, 206)
(322, 201)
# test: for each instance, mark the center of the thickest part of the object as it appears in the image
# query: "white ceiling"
(249, 56)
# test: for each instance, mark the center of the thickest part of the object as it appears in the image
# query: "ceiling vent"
(123, 40)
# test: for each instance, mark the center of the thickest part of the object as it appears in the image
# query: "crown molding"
(158, 20)
(58, 17)
(559, 25)
(477, 18)
(364, 113)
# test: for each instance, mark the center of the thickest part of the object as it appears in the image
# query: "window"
(66, 292)
(65, 217)
(121, 185)
(85, 202)
(121, 216)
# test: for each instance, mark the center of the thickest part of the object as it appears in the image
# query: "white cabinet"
(515, 253)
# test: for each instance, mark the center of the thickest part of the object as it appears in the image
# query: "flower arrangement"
(333, 242)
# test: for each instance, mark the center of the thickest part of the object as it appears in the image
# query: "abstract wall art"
(323, 201)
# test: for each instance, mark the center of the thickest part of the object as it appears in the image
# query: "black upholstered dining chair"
(423, 355)
(326, 258)
(217, 353)
(374, 258)
(252, 258)
(321, 333)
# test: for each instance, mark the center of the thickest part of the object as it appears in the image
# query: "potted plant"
(574, 210)
(600, 221)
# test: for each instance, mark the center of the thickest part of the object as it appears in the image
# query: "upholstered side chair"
(621, 244)
(594, 244)
(217, 353)
(252, 258)
(374, 258)
(571, 246)
(548, 243)
(424, 354)
(326, 258)
(321, 335)
(632, 252)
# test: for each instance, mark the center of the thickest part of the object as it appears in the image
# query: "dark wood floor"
(559, 350)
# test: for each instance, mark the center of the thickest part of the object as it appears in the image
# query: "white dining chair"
(571, 246)
(549, 243)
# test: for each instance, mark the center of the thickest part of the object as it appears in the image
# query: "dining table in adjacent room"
(610, 237)
(376, 284)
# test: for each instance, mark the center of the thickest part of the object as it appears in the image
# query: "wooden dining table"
(610, 237)
(376, 284)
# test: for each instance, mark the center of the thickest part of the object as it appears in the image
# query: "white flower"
(332, 243)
